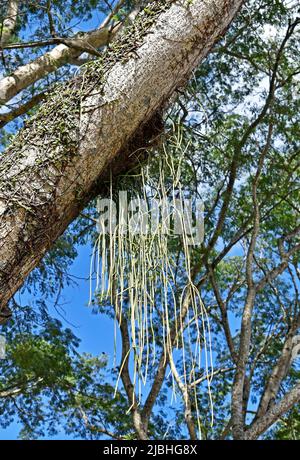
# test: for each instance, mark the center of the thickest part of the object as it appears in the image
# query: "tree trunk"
(51, 169)
(9, 22)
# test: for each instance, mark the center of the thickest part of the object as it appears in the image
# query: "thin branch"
(211, 375)
(50, 19)
(21, 110)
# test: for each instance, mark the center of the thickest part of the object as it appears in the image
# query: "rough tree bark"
(52, 167)
(9, 22)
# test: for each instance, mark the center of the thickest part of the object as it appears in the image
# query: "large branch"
(279, 371)
(241, 385)
(67, 51)
(62, 54)
(274, 413)
(53, 166)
